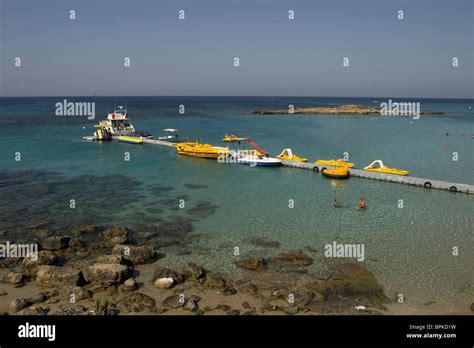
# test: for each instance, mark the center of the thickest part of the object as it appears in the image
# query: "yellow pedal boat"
(288, 155)
(197, 149)
(378, 166)
(335, 163)
(336, 173)
(231, 137)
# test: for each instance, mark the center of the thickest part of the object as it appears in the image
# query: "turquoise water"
(409, 249)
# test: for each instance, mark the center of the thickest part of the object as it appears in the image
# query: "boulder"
(53, 276)
(253, 264)
(107, 273)
(55, 243)
(214, 281)
(138, 255)
(191, 306)
(121, 232)
(174, 301)
(196, 272)
(20, 303)
(43, 258)
(130, 285)
(118, 259)
(163, 272)
(13, 278)
(163, 283)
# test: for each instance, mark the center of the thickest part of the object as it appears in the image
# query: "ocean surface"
(409, 248)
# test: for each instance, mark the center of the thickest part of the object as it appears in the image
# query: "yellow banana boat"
(198, 149)
(378, 166)
(231, 137)
(129, 140)
(288, 155)
(335, 163)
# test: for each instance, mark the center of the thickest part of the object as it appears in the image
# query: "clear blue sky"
(388, 57)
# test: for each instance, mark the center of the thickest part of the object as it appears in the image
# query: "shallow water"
(409, 249)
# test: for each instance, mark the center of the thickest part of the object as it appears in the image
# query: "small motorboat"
(170, 134)
(129, 140)
(259, 161)
(335, 163)
(378, 166)
(288, 155)
(336, 173)
(232, 137)
(100, 134)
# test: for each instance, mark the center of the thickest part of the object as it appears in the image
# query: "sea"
(418, 242)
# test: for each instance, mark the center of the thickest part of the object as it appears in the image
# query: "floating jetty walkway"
(407, 180)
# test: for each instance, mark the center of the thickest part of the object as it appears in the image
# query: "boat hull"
(335, 173)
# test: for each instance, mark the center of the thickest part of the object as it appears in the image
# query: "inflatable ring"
(427, 184)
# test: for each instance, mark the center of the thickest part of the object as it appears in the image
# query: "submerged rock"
(55, 243)
(253, 264)
(138, 255)
(202, 210)
(262, 242)
(294, 258)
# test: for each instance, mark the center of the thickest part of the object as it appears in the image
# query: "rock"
(253, 264)
(191, 306)
(290, 310)
(43, 258)
(86, 229)
(196, 272)
(13, 278)
(233, 312)
(246, 305)
(116, 241)
(250, 312)
(76, 293)
(20, 303)
(138, 255)
(107, 273)
(130, 285)
(295, 258)
(35, 310)
(73, 310)
(76, 243)
(174, 301)
(118, 259)
(53, 276)
(229, 291)
(113, 232)
(472, 306)
(214, 281)
(222, 307)
(162, 272)
(249, 288)
(55, 243)
(164, 283)
(3, 293)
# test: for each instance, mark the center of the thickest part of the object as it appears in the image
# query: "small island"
(346, 109)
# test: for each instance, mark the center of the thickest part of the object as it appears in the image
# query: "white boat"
(259, 161)
(171, 134)
(117, 122)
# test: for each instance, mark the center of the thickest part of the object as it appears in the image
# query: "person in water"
(336, 203)
(361, 203)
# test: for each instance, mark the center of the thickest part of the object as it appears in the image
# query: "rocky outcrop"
(295, 258)
(138, 255)
(53, 276)
(107, 273)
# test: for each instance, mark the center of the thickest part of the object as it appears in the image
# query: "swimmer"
(336, 203)
(361, 203)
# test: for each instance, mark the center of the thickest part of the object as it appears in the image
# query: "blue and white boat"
(259, 161)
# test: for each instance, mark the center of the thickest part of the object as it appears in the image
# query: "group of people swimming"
(360, 205)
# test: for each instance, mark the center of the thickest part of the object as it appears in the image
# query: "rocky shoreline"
(109, 271)
(346, 109)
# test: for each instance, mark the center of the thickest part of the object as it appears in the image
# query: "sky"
(388, 57)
